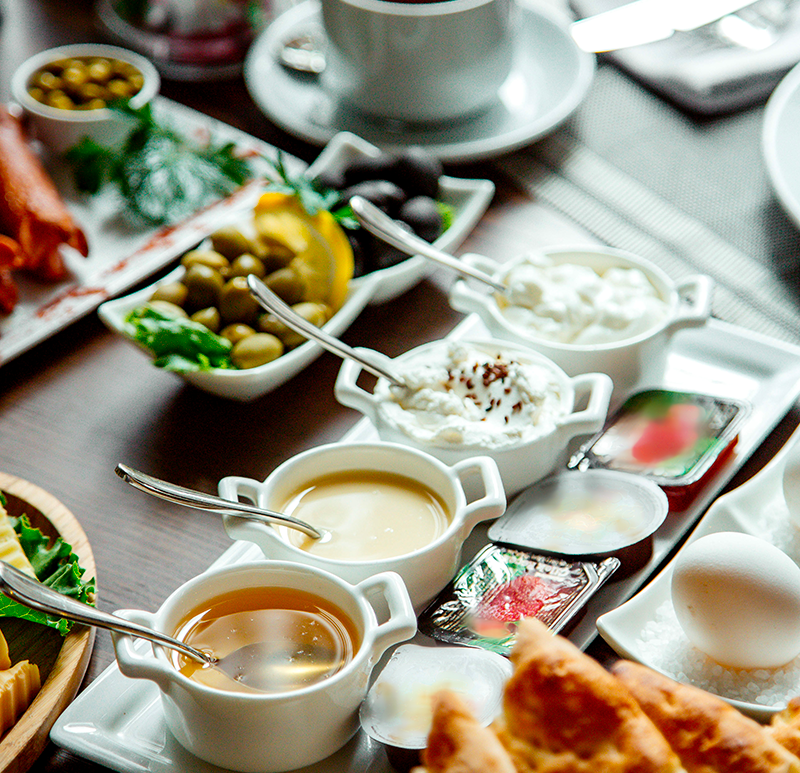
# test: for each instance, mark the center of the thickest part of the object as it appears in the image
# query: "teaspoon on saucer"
(272, 303)
(379, 224)
(199, 500)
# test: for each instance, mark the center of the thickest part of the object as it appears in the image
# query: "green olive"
(170, 309)
(230, 242)
(237, 332)
(236, 304)
(209, 317)
(247, 264)
(204, 285)
(315, 313)
(209, 258)
(269, 323)
(287, 284)
(174, 292)
(257, 349)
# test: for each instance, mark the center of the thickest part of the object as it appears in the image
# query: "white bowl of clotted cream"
(589, 309)
(481, 398)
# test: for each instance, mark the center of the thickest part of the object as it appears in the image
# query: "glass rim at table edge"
(586, 631)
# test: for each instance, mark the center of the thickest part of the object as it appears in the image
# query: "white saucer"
(549, 79)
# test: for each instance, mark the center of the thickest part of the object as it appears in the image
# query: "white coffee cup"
(418, 61)
(260, 731)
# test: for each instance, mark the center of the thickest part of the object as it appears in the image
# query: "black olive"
(379, 167)
(418, 172)
(383, 194)
(423, 215)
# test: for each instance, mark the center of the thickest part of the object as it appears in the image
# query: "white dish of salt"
(646, 629)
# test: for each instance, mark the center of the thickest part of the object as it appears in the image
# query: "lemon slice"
(323, 256)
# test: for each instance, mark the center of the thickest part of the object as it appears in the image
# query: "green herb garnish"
(161, 174)
(179, 344)
(55, 566)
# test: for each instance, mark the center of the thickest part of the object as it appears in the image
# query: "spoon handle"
(379, 224)
(198, 500)
(273, 303)
(33, 594)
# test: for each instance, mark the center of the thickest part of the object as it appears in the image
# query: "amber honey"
(303, 638)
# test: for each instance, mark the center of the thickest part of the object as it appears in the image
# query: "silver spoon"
(261, 665)
(198, 500)
(19, 587)
(292, 319)
(379, 224)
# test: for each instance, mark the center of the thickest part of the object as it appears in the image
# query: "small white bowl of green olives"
(210, 290)
(65, 93)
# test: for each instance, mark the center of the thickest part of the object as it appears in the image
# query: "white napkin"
(718, 68)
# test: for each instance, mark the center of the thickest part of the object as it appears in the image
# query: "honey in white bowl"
(366, 515)
(305, 638)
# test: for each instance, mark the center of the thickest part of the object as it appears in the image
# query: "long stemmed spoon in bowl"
(272, 303)
(33, 594)
(253, 665)
(379, 224)
(198, 500)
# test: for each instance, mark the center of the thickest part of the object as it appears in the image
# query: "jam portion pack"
(484, 603)
(674, 439)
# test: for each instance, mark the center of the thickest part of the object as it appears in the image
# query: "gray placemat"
(690, 195)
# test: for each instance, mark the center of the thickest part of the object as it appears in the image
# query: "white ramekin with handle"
(426, 570)
(631, 363)
(521, 463)
(259, 731)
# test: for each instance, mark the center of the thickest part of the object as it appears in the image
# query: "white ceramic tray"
(757, 507)
(117, 722)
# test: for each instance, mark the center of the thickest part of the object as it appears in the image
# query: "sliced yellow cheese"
(10, 550)
(5, 658)
(18, 687)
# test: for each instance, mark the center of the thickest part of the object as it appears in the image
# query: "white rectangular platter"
(117, 722)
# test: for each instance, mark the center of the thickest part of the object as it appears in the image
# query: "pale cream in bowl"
(589, 309)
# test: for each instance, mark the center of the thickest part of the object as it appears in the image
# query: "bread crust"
(785, 727)
(458, 743)
(564, 713)
(708, 734)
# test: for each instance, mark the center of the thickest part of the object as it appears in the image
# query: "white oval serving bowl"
(259, 731)
(631, 363)
(59, 129)
(521, 463)
(425, 570)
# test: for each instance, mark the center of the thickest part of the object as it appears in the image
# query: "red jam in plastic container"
(483, 605)
(675, 439)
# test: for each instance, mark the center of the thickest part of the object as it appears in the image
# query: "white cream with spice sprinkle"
(574, 304)
(469, 396)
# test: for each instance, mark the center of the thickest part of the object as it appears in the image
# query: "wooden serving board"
(62, 661)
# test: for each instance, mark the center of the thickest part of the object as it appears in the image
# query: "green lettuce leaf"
(56, 566)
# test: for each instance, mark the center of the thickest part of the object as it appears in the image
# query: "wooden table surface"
(80, 402)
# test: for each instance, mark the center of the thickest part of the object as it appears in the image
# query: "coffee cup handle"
(694, 310)
(139, 662)
(402, 622)
(493, 503)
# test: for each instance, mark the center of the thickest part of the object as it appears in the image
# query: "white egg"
(737, 598)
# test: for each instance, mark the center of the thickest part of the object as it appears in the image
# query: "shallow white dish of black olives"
(468, 199)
